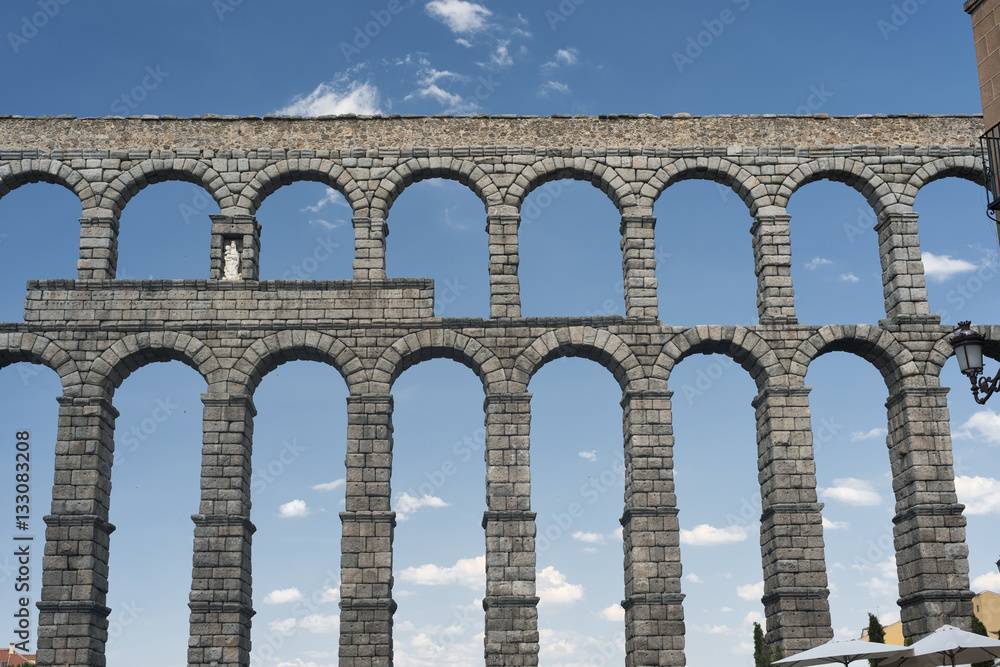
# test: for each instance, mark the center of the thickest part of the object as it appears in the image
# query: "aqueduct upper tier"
(233, 329)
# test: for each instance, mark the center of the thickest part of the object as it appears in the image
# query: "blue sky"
(446, 56)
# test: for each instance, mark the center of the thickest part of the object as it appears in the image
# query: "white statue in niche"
(231, 270)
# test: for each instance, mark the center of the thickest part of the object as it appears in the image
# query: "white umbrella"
(843, 652)
(948, 646)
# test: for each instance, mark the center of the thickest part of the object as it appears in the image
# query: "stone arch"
(597, 345)
(736, 177)
(134, 351)
(35, 349)
(419, 346)
(286, 172)
(873, 344)
(15, 174)
(750, 351)
(602, 176)
(128, 184)
(267, 353)
(465, 172)
(969, 167)
(841, 169)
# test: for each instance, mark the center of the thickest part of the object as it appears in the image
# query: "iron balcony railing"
(990, 144)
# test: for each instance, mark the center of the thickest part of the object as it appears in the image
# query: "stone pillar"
(772, 256)
(245, 231)
(639, 265)
(72, 612)
(654, 614)
(369, 248)
(366, 604)
(98, 248)
(505, 291)
(510, 603)
(791, 525)
(902, 270)
(929, 532)
(221, 597)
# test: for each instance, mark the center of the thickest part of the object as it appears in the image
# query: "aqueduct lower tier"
(96, 330)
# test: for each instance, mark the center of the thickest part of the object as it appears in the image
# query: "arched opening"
(836, 268)
(577, 489)
(39, 239)
(437, 230)
(29, 405)
(718, 498)
(306, 234)
(569, 248)
(958, 248)
(704, 256)
(165, 233)
(438, 486)
(854, 482)
(155, 490)
(297, 488)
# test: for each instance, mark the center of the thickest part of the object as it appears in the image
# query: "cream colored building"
(985, 605)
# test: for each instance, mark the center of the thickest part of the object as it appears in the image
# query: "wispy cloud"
(590, 456)
(983, 425)
(849, 278)
(330, 486)
(980, 495)
(852, 491)
(501, 56)
(450, 102)
(468, 572)
(461, 17)
(752, 592)
(293, 509)
(613, 613)
(830, 524)
(694, 578)
(940, 268)
(817, 262)
(869, 435)
(706, 535)
(589, 538)
(283, 596)
(334, 98)
(562, 57)
(406, 505)
(552, 87)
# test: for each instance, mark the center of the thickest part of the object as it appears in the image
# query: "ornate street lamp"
(968, 344)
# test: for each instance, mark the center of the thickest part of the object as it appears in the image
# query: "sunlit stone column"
(505, 290)
(366, 604)
(369, 248)
(72, 614)
(221, 596)
(639, 265)
(902, 270)
(98, 248)
(510, 602)
(931, 554)
(772, 254)
(791, 525)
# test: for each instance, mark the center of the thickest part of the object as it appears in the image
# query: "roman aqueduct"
(96, 330)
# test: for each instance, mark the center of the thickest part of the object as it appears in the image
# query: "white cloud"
(817, 262)
(849, 277)
(406, 505)
(829, 524)
(321, 624)
(751, 592)
(590, 456)
(283, 626)
(469, 572)
(460, 16)
(706, 535)
(852, 491)
(500, 56)
(431, 76)
(613, 613)
(283, 595)
(941, 267)
(554, 589)
(726, 610)
(589, 538)
(986, 582)
(330, 197)
(754, 616)
(694, 578)
(335, 98)
(714, 629)
(330, 486)
(325, 224)
(452, 102)
(294, 508)
(869, 435)
(983, 425)
(464, 42)
(980, 495)
(330, 594)
(566, 56)
(552, 87)
(878, 587)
